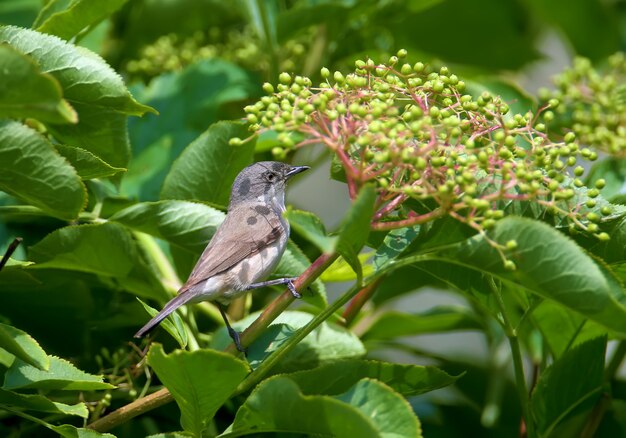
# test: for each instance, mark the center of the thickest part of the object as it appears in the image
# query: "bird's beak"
(295, 170)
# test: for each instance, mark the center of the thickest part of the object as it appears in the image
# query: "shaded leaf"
(392, 324)
(207, 168)
(84, 76)
(355, 228)
(23, 346)
(277, 405)
(27, 92)
(31, 169)
(87, 165)
(200, 381)
(391, 414)
(65, 20)
(394, 244)
(338, 376)
(311, 227)
(173, 324)
(550, 265)
(40, 403)
(186, 224)
(327, 342)
(572, 383)
(69, 431)
(106, 249)
(60, 375)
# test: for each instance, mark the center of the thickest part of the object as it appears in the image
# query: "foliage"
(123, 125)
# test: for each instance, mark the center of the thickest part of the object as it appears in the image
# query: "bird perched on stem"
(246, 247)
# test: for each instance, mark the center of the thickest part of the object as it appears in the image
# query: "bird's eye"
(271, 176)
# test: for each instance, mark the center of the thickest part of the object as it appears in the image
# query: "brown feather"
(223, 252)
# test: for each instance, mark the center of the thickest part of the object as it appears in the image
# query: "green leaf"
(265, 410)
(393, 324)
(23, 346)
(356, 228)
(65, 20)
(91, 86)
(101, 131)
(200, 381)
(188, 225)
(207, 168)
(391, 414)
(188, 102)
(311, 228)
(60, 375)
(571, 385)
(340, 270)
(338, 376)
(69, 431)
(327, 342)
(84, 76)
(31, 169)
(105, 249)
(369, 409)
(27, 92)
(40, 403)
(562, 328)
(394, 244)
(550, 265)
(173, 324)
(87, 165)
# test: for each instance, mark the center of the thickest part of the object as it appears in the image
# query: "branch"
(271, 312)
(10, 250)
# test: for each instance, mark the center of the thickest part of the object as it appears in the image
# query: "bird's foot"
(235, 336)
(292, 288)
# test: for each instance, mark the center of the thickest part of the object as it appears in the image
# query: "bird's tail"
(172, 305)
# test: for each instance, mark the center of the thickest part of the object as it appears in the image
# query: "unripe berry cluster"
(242, 47)
(430, 149)
(593, 104)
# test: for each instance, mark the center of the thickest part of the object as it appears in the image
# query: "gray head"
(263, 181)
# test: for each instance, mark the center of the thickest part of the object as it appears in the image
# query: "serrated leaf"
(61, 375)
(393, 324)
(69, 431)
(573, 382)
(327, 342)
(355, 229)
(189, 225)
(173, 324)
(23, 346)
(391, 414)
(105, 249)
(40, 403)
(200, 381)
(311, 228)
(31, 169)
(84, 76)
(207, 168)
(550, 265)
(317, 415)
(27, 92)
(65, 20)
(335, 377)
(87, 165)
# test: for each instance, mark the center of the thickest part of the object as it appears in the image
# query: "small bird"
(246, 247)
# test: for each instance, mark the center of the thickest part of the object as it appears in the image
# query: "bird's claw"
(292, 289)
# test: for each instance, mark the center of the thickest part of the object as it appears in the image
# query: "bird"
(246, 247)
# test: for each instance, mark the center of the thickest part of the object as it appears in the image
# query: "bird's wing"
(245, 231)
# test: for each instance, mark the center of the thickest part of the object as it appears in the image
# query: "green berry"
(509, 265)
(284, 78)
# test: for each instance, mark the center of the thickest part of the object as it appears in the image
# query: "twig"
(10, 250)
